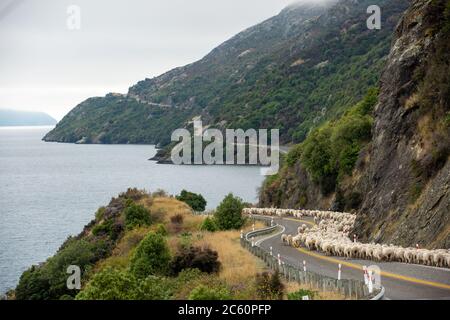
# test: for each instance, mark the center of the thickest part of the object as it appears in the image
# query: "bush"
(203, 292)
(136, 215)
(209, 225)
(228, 214)
(177, 219)
(152, 256)
(156, 288)
(134, 194)
(195, 201)
(298, 295)
(269, 286)
(176, 223)
(110, 284)
(160, 193)
(161, 229)
(203, 259)
(48, 281)
(109, 228)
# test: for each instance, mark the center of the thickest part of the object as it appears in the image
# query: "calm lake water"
(50, 190)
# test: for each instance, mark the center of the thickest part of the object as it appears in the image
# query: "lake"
(51, 190)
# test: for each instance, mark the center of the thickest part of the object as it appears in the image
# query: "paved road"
(401, 281)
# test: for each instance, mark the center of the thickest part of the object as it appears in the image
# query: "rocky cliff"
(400, 181)
(406, 178)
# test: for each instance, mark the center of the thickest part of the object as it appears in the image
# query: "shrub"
(161, 229)
(159, 193)
(48, 281)
(176, 223)
(177, 219)
(203, 292)
(155, 288)
(228, 214)
(110, 284)
(195, 201)
(136, 216)
(152, 256)
(203, 259)
(298, 295)
(109, 228)
(269, 286)
(209, 225)
(134, 194)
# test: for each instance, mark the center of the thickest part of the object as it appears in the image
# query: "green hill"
(294, 71)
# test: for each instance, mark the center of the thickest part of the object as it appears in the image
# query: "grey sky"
(47, 67)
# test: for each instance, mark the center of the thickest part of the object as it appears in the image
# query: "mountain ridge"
(10, 117)
(276, 74)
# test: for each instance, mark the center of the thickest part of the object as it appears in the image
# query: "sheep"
(289, 239)
(330, 235)
(284, 238)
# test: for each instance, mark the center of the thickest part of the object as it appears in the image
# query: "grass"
(320, 295)
(239, 266)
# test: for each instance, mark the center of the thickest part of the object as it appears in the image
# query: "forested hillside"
(293, 72)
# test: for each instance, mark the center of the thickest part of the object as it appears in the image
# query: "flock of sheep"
(330, 235)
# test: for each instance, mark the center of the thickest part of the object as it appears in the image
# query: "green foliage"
(110, 284)
(136, 215)
(228, 214)
(152, 256)
(331, 151)
(209, 224)
(203, 292)
(49, 280)
(293, 155)
(195, 201)
(264, 88)
(269, 286)
(203, 259)
(110, 227)
(161, 229)
(298, 295)
(156, 288)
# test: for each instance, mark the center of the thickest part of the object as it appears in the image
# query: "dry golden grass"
(412, 101)
(321, 295)
(238, 265)
(169, 206)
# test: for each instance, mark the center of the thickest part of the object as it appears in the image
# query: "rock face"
(400, 186)
(406, 180)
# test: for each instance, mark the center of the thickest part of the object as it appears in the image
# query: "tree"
(110, 284)
(194, 200)
(228, 214)
(152, 256)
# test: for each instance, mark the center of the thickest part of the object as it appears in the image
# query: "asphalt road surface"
(401, 280)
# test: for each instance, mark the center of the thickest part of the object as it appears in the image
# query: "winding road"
(401, 280)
